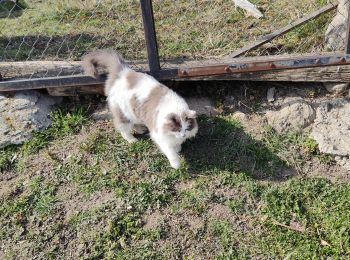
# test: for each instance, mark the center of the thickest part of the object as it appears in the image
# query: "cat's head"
(182, 126)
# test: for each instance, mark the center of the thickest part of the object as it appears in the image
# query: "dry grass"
(65, 30)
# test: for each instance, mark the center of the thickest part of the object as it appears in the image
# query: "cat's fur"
(137, 99)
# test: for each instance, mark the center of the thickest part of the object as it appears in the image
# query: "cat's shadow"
(223, 145)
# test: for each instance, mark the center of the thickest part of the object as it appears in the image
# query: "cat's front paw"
(130, 138)
(175, 163)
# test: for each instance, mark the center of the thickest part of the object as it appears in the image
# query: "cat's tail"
(111, 60)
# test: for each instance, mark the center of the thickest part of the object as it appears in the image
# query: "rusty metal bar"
(68, 81)
(150, 35)
(347, 46)
(280, 32)
(253, 66)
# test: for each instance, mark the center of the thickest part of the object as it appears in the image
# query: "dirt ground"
(243, 191)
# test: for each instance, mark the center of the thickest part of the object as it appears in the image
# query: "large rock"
(22, 115)
(332, 127)
(336, 88)
(295, 114)
(336, 31)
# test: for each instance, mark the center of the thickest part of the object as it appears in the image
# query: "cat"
(137, 99)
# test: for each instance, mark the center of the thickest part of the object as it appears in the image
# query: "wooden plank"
(97, 89)
(324, 74)
(315, 74)
(38, 69)
(271, 36)
(28, 69)
(254, 66)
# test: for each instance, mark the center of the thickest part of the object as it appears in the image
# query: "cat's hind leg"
(122, 124)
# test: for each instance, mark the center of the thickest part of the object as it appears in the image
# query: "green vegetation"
(55, 30)
(85, 189)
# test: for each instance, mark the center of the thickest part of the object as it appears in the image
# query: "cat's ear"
(191, 114)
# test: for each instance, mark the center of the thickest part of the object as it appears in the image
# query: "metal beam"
(272, 64)
(347, 46)
(150, 35)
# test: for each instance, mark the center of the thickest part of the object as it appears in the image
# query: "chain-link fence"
(41, 39)
(50, 31)
(214, 29)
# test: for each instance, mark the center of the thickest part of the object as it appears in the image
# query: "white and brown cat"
(137, 99)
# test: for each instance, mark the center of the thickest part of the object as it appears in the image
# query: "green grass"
(99, 197)
(63, 124)
(53, 30)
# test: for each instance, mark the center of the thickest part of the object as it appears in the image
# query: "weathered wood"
(315, 74)
(39, 69)
(271, 36)
(28, 69)
(97, 89)
(320, 74)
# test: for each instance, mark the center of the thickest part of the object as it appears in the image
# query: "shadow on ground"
(12, 8)
(223, 145)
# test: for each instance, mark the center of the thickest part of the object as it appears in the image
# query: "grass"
(82, 190)
(63, 124)
(67, 29)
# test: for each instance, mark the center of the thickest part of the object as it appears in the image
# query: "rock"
(336, 88)
(271, 94)
(332, 127)
(203, 106)
(343, 161)
(336, 32)
(294, 114)
(22, 115)
(102, 113)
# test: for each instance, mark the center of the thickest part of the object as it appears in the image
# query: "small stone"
(271, 94)
(102, 113)
(336, 88)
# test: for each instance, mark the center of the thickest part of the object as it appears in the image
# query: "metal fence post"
(347, 46)
(150, 36)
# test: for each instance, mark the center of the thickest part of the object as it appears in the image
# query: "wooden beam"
(314, 74)
(271, 36)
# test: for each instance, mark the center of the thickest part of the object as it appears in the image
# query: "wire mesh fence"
(55, 34)
(214, 29)
(65, 30)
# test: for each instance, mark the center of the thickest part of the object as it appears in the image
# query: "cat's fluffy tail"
(111, 60)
